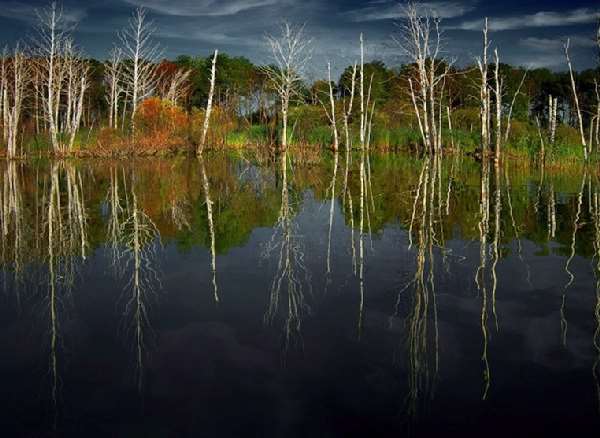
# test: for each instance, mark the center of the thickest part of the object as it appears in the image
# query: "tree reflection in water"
(58, 219)
(139, 240)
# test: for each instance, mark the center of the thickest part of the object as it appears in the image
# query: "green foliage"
(232, 229)
(568, 143)
(395, 138)
(380, 86)
(237, 138)
(319, 135)
(524, 137)
(258, 134)
(467, 119)
(465, 141)
(38, 143)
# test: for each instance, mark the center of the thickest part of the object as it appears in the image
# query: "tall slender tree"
(290, 51)
(142, 54)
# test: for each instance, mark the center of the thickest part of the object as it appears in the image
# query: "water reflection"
(13, 233)
(422, 320)
(291, 274)
(211, 229)
(492, 259)
(139, 243)
(65, 236)
(570, 274)
(596, 338)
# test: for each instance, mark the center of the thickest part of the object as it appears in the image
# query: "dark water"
(298, 296)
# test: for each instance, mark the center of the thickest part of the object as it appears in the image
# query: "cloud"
(202, 7)
(556, 44)
(16, 10)
(539, 19)
(393, 10)
(213, 36)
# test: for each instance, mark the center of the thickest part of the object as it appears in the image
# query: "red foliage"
(155, 115)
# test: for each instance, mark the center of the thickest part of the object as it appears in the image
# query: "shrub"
(305, 117)
(466, 119)
(319, 135)
(258, 134)
(221, 124)
(156, 115)
(237, 138)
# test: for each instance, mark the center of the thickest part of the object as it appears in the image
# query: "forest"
(56, 101)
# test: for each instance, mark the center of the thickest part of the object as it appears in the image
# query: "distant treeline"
(53, 99)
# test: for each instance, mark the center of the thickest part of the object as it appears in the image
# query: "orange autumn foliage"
(160, 125)
(155, 116)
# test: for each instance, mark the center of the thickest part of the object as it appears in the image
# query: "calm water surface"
(379, 295)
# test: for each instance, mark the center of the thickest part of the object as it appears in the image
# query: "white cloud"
(393, 10)
(539, 19)
(202, 7)
(17, 10)
(555, 44)
(211, 35)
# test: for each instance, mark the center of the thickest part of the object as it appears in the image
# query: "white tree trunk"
(348, 110)
(484, 93)
(576, 99)
(209, 104)
(332, 116)
(498, 106)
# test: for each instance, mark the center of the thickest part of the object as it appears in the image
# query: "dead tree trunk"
(498, 90)
(552, 111)
(420, 39)
(362, 93)
(348, 110)
(291, 53)
(332, 115)
(20, 75)
(140, 75)
(113, 70)
(213, 74)
(576, 99)
(512, 105)
(484, 93)
(4, 94)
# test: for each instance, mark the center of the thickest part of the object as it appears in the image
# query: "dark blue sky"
(525, 32)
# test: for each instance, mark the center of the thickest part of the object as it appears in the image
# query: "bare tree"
(209, 104)
(140, 74)
(331, 111)
(13, 104)
(450, 126)
(482, 63)
(64, 79)
(113, 74)
(576, 99)
(597, 90)
(512, 105)
(420, 38)
(366, 115)
(498, 92)
(178, 86)
(552, 115)
(290, 53)
(77, 73)
(4, 86)
(51, 37)
(348, 110)
(362, 92)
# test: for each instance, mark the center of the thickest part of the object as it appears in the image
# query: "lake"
(298, 295)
